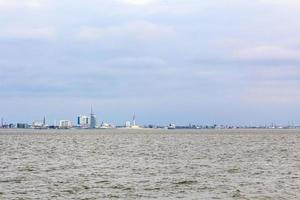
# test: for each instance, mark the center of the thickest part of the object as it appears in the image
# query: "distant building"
(44, 121)
(12, 126)
(9, 126)
(53, 127)
(93, 123)
(65, 124)
(23, 126)
(5, 126)
(127, 124)
(83, 121)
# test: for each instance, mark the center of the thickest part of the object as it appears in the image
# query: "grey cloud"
(209, 59)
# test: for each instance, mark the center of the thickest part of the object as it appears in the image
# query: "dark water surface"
(150, 164)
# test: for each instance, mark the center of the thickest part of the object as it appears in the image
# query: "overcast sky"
(181, 61)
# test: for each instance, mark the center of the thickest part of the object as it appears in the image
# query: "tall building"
(83, 121)
(93, 123)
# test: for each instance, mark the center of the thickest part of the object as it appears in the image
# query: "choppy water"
(118, 164)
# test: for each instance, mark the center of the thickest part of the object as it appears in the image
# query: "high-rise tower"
(83, 121)
(93, 123)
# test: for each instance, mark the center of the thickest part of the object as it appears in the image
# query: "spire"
(92, 110)
(134, 119)
(44, 121)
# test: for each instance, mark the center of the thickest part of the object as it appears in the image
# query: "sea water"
(149, 164)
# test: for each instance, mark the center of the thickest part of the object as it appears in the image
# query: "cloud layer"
(169, 61)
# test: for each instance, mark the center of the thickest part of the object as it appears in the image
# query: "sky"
(169, 61)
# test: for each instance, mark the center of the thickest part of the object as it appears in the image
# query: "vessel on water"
(106, 126)
(172, 126)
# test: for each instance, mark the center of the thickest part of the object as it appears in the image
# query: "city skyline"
(91, 121)
(182, 62)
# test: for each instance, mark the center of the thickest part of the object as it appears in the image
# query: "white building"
(64, 124)
(127, 124)
(83, 121)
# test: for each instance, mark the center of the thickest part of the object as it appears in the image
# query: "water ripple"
(155, 164)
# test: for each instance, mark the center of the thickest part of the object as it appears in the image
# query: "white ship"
(106, 126)
(172, 126)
